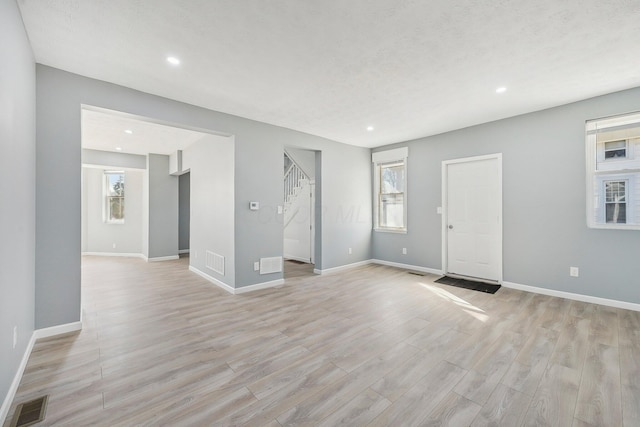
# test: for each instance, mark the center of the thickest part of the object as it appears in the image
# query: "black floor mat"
(469, 284)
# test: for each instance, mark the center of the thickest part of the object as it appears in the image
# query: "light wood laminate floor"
(372, 345)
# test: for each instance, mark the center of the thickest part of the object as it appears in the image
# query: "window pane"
(613, 154)
(616, 213)
(612, 145)
(115, 184)
(116, 208)
(391, 210)
(115, 196)
(392, 178)
(615, 191)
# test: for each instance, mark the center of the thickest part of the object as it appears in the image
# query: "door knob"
(451, 227)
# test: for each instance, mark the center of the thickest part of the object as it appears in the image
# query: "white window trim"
(595, 178)
(380, 158)
(105, 197)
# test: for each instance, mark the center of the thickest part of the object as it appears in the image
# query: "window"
(615, 202)
(613, 172)
(390, 180)
(114, 197)
(615, 149)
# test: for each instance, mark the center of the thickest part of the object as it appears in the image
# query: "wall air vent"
(215, 262)
(271, 265)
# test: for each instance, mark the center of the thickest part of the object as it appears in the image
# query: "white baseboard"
(183, 251)
(123, 254)
(236, 291)
(212, 279)
(57, 330)
(11, 394)
(544, 291)
(577, 297)
(407, 266)
(258, 286)
(342, 267)
(380, 262)
(163, 258)
(37, 334)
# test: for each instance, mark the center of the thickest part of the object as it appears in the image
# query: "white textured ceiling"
(334, 67)
(105, 131)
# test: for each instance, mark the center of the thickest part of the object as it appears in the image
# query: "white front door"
(472, 222)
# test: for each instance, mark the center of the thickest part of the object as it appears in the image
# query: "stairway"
(296, 183)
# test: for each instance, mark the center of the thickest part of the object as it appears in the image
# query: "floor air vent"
(29, 413)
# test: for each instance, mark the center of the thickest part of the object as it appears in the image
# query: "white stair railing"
(292, 178)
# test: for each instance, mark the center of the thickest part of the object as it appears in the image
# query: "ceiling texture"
(332, 68)
(109, 131)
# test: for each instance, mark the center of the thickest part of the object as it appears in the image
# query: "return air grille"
(215, 262)
(271, 265)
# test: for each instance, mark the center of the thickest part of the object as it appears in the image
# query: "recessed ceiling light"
(369, 128)
(501, 89)
(173, 60)
(119, 148)
(128, 131)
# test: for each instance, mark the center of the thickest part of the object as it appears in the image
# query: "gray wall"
(544, 214)
(162, 220)
(108, 158)
(211, 164)
(99, 236)
(184, 197)
(258, 176)
(17, 186)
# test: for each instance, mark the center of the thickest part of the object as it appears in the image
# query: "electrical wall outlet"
(350, 251)
(15, 336)
(114, 246)
(404, 251)
(574, 271)
(256, 266)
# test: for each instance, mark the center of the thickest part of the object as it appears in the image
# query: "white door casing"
(472, 217)
(312, 227)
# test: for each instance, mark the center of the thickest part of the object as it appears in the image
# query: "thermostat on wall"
(254, 206)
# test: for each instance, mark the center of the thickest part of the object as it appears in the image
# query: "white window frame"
(105, 197)
(596, 178)
(379, 159)
(601, 208)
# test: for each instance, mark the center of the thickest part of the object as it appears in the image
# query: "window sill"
(391, 230)
(615, 226)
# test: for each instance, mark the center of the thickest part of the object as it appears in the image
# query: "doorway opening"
(149, 171)
(299, 219)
